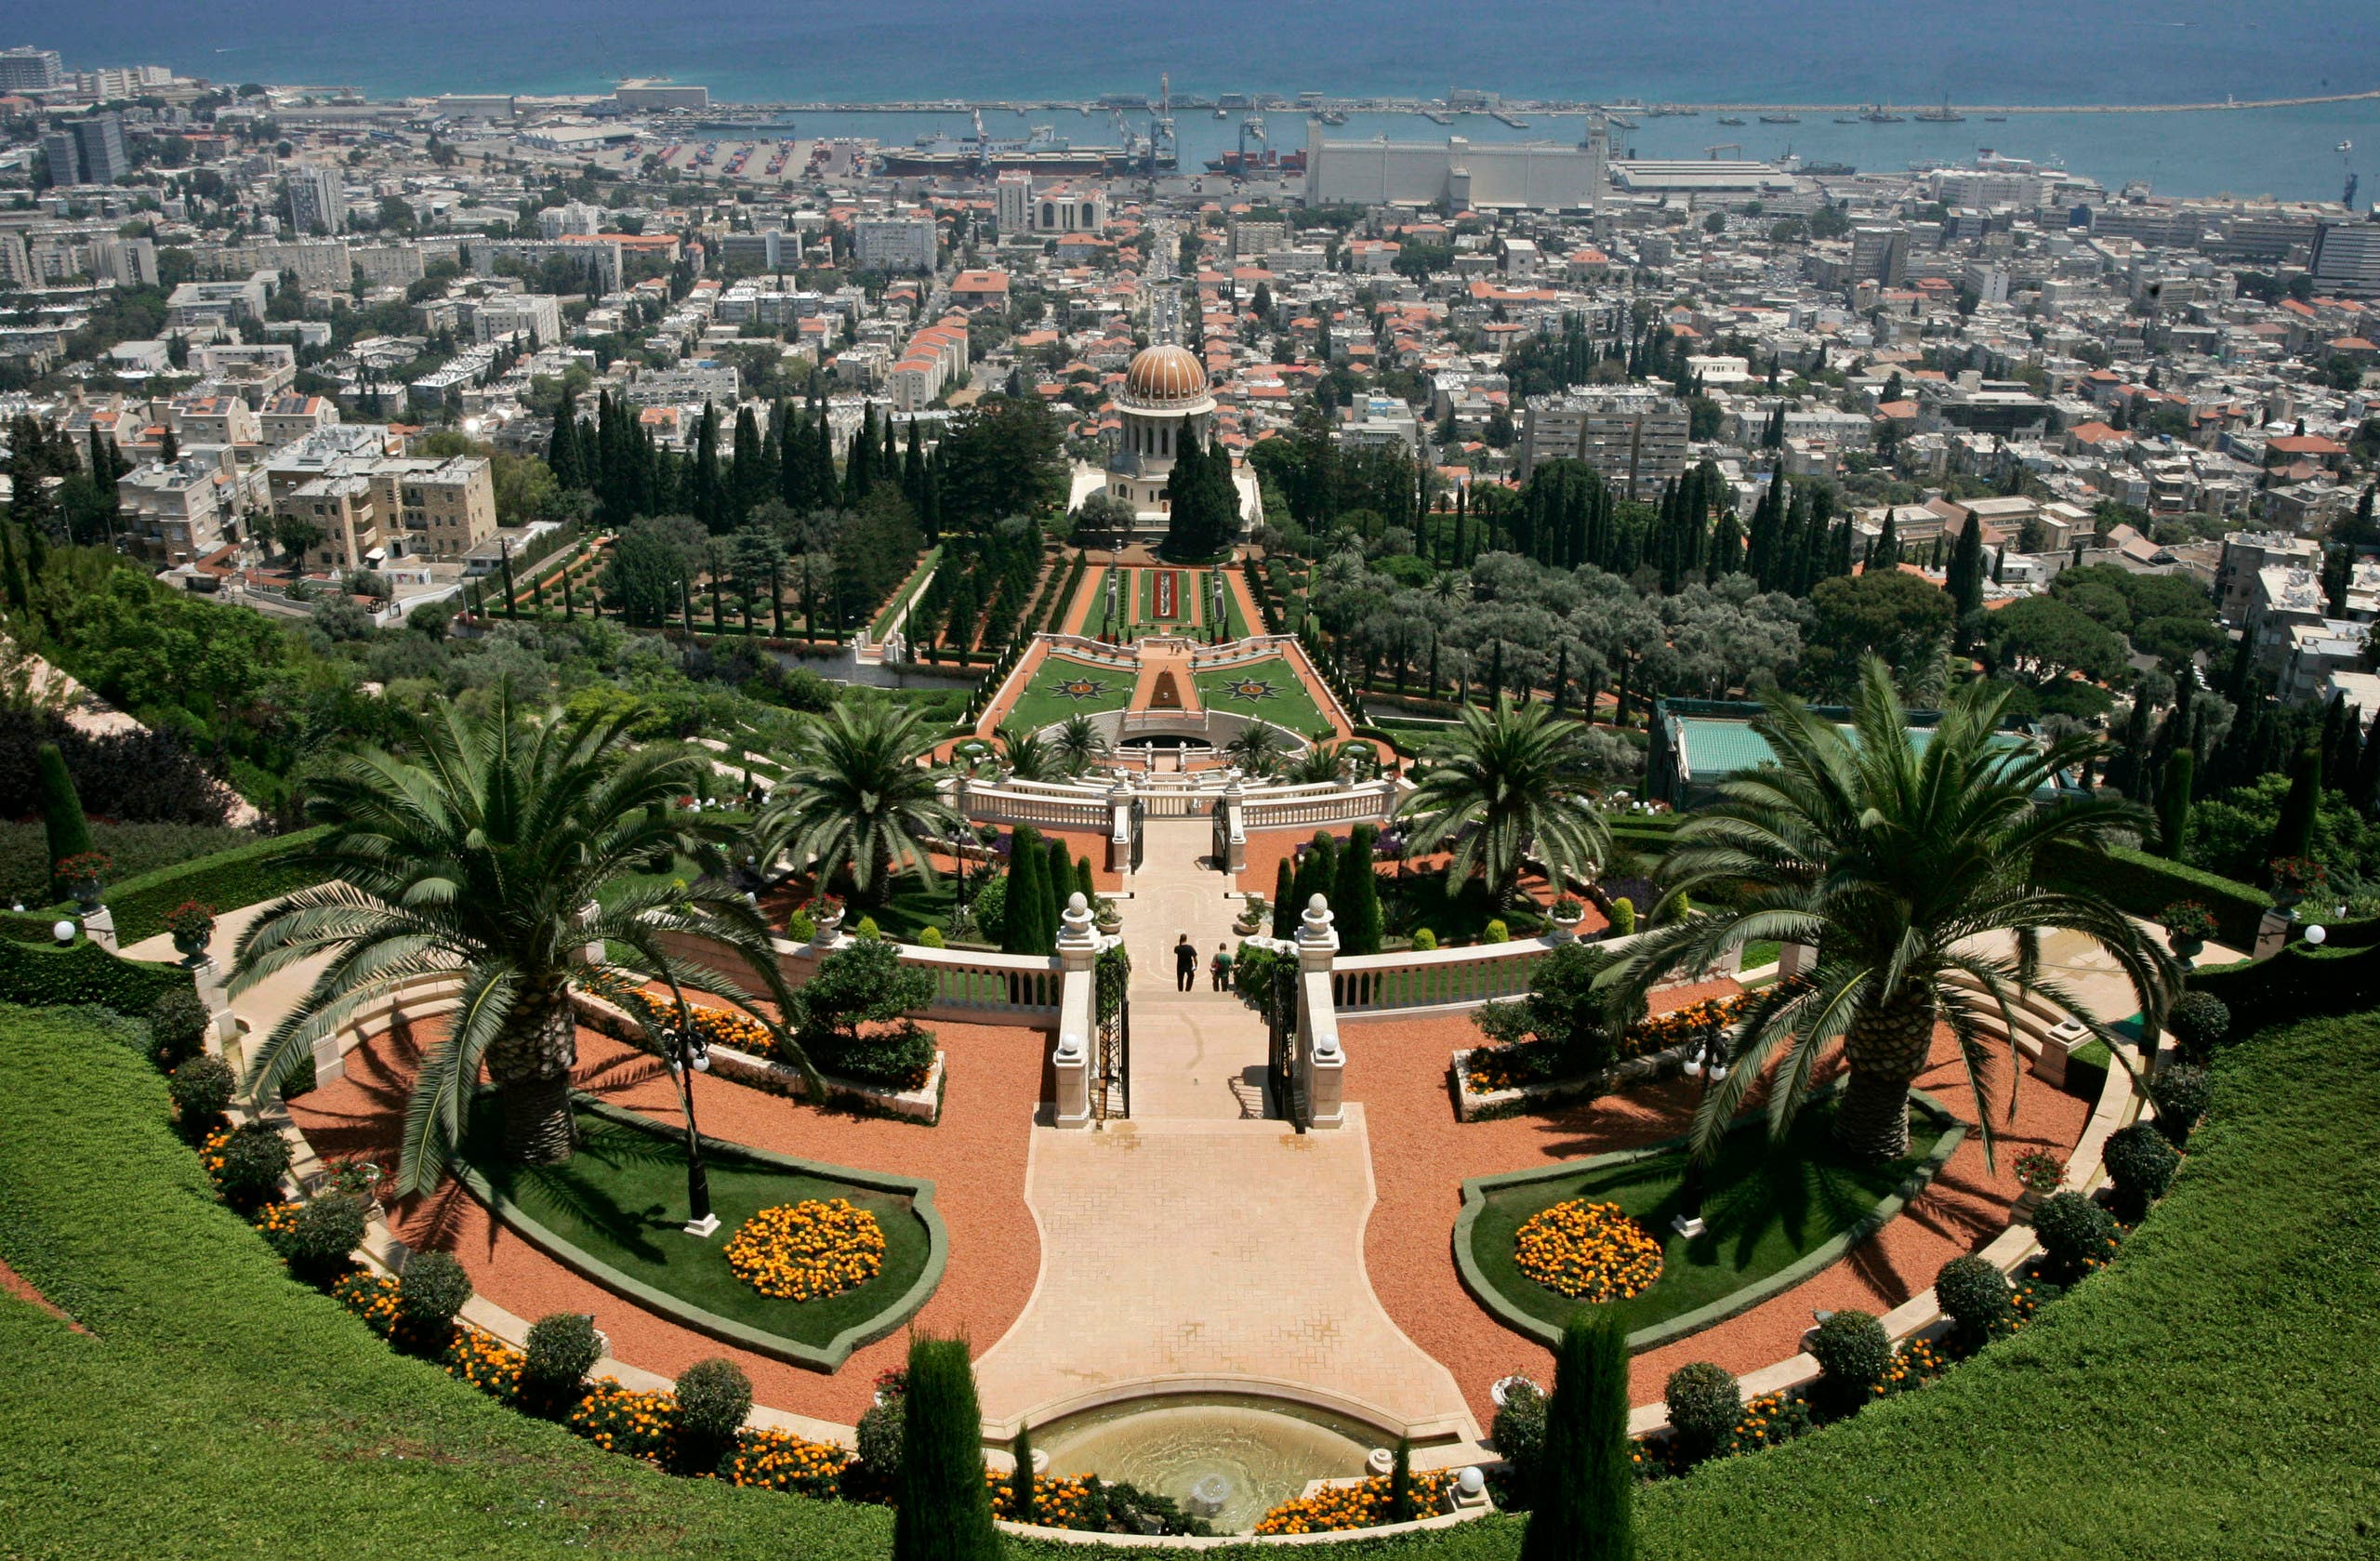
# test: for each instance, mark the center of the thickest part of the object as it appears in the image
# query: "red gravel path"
(975, 1158)
(1420, 1155)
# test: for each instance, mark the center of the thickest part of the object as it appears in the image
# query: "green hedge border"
(2144, 885)
(1734, 1302)
(228, 880)
(49, 975)
(826, 1358)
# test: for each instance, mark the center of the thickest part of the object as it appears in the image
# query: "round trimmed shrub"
(201, 1087)
(1853, 1353)
(2182, 1094)
(1496, 931)
(430, 1291)
(1623, 916)
(878, 1437)
(2200, 1022)
(1705, 1405)
(713, 1398)
(254, 1158)
(1519, 1433)
(2142, 1163)
(177, 1027)
(561, 1349)
(325, 1231)
(1973, 1295)
(2072, 1231)
(1424, 940)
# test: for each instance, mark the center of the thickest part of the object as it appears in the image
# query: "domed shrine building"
(1165, 388)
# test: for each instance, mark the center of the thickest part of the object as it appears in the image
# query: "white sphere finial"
(1319, 904)
(1075, 901)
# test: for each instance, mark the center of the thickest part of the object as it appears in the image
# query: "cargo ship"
(1043, 151)
(1263, 165)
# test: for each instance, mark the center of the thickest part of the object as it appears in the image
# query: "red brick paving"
(1420, 1155)
(975, 1158)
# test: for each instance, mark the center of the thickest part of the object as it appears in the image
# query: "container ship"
(1257, 164)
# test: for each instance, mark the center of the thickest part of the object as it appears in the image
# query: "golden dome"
(1164, 375)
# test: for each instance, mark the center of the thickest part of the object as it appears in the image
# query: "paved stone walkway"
(1199, 1240)
(1218, 1251)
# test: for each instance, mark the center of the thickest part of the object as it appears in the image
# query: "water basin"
(1264, 1450)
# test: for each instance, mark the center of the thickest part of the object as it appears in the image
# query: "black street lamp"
(690, 1054)
(1706, 1065)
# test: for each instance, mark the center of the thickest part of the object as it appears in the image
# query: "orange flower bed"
(1364, 1506)
(806, 1250)
(781, 1461)
(1058, 1502)
(618, 1420)
(726, 1027)
(1588, 1251)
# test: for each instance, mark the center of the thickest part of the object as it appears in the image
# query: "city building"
(893, 244)
(1635, 436)
(317, 200)
(1465, 173)
(31, 69)
(652, 94)
(2347, 258)
(99, 148)
(534, 315)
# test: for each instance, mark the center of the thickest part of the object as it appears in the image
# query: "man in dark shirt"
(1185, 964)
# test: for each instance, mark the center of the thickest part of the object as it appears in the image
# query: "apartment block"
(1635, 437)
(893, 244)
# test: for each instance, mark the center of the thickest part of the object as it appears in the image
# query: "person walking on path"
(1220, 967)
(1185, 964)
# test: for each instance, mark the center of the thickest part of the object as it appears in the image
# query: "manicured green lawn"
(1284, 701)
(622, 1198)
(909, 587)
(1042, 703)
(1766, 1205)
(217, 1409)
(1235, 620)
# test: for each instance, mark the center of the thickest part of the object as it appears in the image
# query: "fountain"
(1228, 1458)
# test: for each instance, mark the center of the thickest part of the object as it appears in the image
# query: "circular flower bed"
(1588, 1251)
(804, 1251)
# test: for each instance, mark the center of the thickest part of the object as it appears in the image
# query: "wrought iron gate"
(1281, 1043)
(1112, 1092)
(1140, 835)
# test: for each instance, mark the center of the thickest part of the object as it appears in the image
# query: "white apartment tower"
(317, 200)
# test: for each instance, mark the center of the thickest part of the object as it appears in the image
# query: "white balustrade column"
(1322, 1065)
(1235, 816)
(1078, 1013)
(1793, 958)
(1119, 827)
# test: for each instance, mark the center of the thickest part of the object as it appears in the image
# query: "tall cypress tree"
(65, 829)
(709, 504)
(1285, 893)
(2174, 804)
(945, 1509)
(1966, 579)
(1028, 899)
(1586, 1486)
(1058, 877)
(1355, 900)
(2292, 832)
(747, 480)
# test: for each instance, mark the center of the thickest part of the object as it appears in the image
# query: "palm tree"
(1320, 764)
(1028, 757)
(1078, 744)
(858, 799)
(1258, 748)
(1504, 784)
(497, 848)
(1910, 866)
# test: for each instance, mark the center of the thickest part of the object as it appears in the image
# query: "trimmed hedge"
(246, 875)
(2144, 885)
(2299, 982)
(44, 975)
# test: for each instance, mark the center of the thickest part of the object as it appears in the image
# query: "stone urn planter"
(828, 914)
(1565, 915)
(193, 926)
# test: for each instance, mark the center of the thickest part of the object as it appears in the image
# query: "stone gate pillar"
(1321, 1064)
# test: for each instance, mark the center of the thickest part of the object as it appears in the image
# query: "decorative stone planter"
(191, 946)
(1565, 931)
(86, 891)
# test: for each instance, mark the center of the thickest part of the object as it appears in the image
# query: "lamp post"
(1706, 1066)
(690, 1054)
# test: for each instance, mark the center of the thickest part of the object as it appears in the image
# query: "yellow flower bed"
(1059, 1501)
(277, 1219)
(781, 1461)
(806, 1250)
(1588, 1251)
(726, 1027)
(1364, 1506)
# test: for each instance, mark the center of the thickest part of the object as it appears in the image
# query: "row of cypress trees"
(1342, 875)
(1042, 876)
